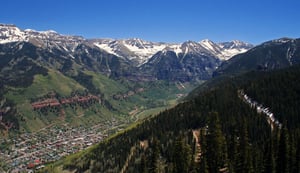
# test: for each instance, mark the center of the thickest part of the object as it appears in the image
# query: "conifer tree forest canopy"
(214, 132)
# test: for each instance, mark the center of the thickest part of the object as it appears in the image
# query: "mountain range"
(141, 51)
(195, 60)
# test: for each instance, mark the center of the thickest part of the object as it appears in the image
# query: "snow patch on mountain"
(106, 48)
(229, 49)
(47, 39)
(228, 53)
(208, 44)
(176, 48)
(143, 49)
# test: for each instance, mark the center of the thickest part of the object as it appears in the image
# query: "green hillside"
(41, 86)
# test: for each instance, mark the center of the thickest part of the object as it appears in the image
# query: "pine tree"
(232, 152)
(244, 160)
(216, 145)
(282, 165)
(292, 154)
(269, 165)
(182, 156)
(203, 167)
(154, 156)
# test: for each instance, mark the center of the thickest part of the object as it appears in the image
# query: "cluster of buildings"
(31, 151)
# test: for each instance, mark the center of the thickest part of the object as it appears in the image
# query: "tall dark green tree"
(282, 164)
(216, 145)
(203, 167)
(243, 159)
(154, 156)
(292, 153)
(182, 156)
(269, 161)
(232, 151)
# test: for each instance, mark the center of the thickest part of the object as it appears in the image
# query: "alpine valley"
(59, 83)
(61, 94)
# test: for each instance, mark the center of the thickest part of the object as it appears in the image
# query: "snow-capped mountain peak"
(136, 42)
(11, 33)
(234, 44)
(194, 47)
(234, 47)
(212, 47)
(208, 44)
(207, 41)
(135, 50)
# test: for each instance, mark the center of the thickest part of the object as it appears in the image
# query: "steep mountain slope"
(233, 136)
(226, 50)
(189, 62)
(270, 55)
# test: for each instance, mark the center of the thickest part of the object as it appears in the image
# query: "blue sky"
(254, 21)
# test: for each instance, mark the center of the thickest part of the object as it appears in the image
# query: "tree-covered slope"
(215, 132)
